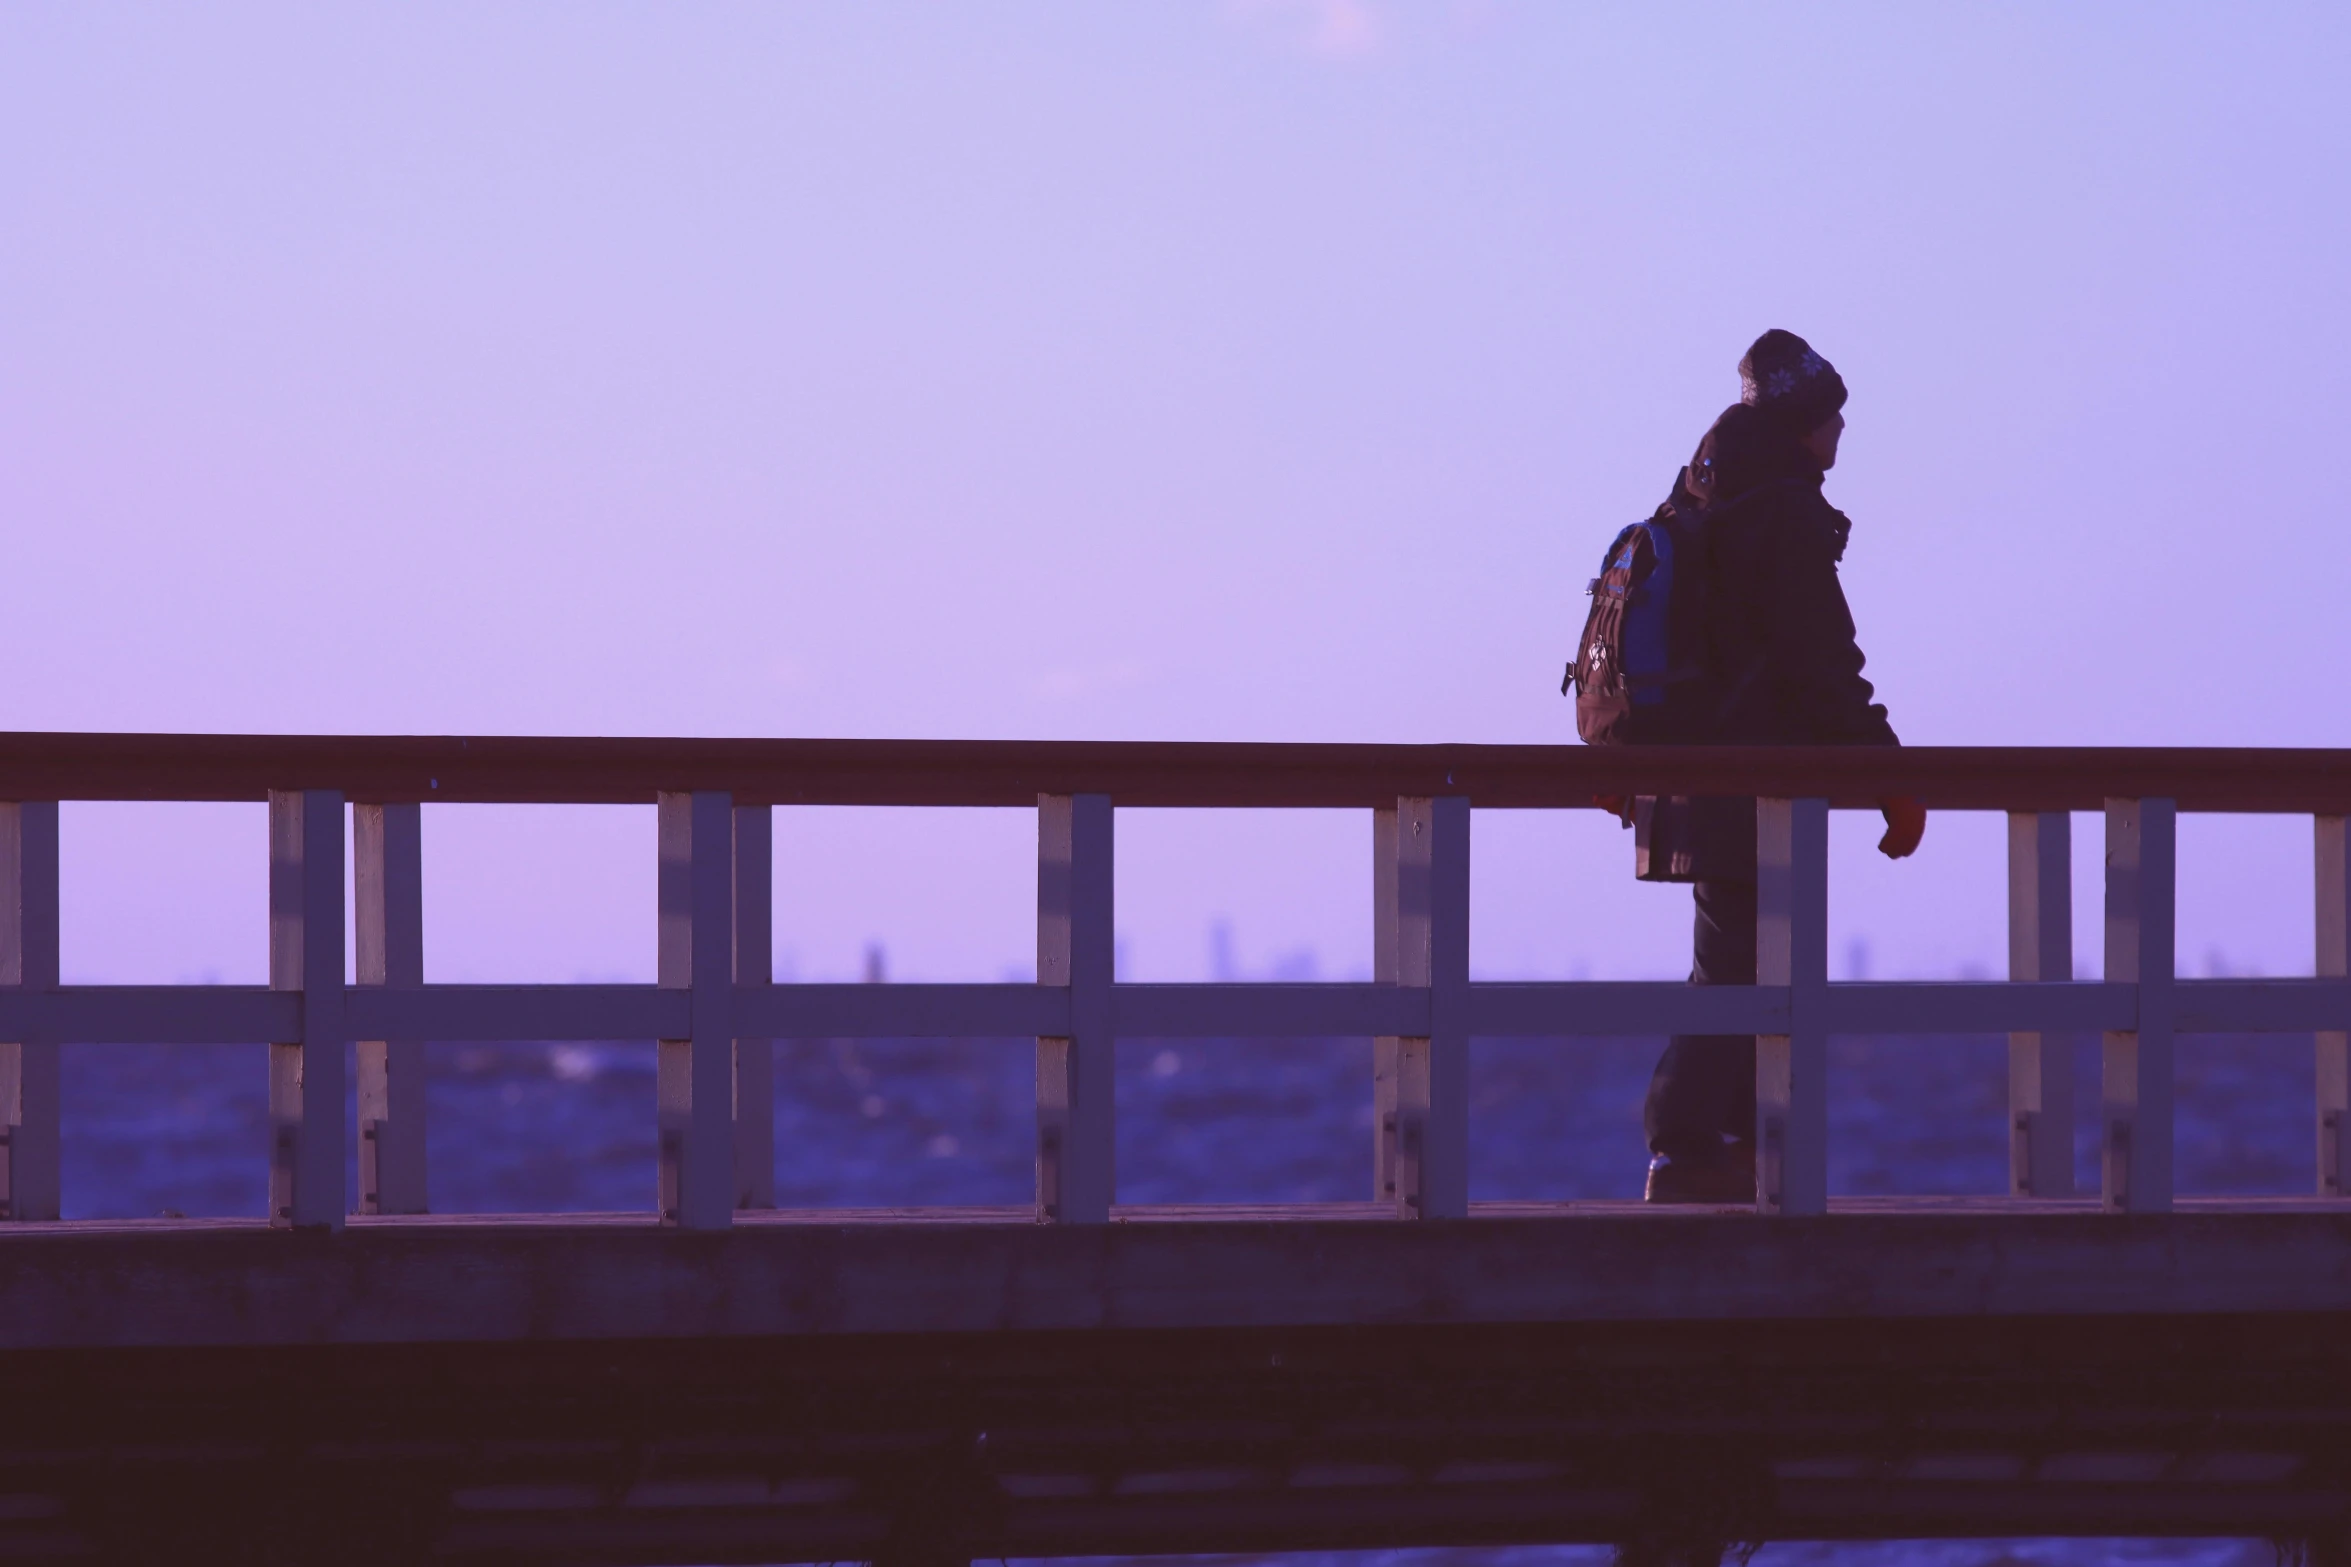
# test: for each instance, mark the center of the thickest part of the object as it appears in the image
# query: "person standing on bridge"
(1781, 666)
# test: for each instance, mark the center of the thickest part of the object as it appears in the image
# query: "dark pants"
(1704, 1087)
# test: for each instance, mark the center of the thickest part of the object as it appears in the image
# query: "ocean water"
(569, 1128)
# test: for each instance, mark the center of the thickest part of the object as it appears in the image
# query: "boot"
(1723, 1181)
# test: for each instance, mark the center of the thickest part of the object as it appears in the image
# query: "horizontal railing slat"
(518, 1012)
(2263, 1006)
(1297, 1011)
(1602, 1008)
(900, 1011)
(1980, 1007)
(150, 1015)
(230, 1014)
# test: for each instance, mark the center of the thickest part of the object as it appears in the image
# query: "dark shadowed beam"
(1016, 772)
(441, 1281)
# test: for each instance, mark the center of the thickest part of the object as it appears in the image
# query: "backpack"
(1640, 672)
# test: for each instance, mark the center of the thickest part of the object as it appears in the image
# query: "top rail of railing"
(572, 770)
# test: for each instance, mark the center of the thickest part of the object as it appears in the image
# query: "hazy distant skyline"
(1226, 370)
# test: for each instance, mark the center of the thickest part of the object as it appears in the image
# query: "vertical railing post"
(694, 1076)
(1792, 949)
(755, 1099)
(2040, 948)
(30, 1188)
(306, 956)
(2141, 861)
(1384, 970)
(1432, 952)
(1077, 1128)
(387, 918)
(2333, 885)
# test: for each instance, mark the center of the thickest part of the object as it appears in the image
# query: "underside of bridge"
(815, 1388)
(1098, 1442)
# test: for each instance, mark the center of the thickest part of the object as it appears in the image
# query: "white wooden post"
(306, 955)
(1432, 952)
(755, 1099)
(1077, 1128)
(1792, 949)
(2141, 859)
(2040, 948)
(1385, 970)
(30, 1187)
(387, 917)
(2333, 883)
(694, 1076)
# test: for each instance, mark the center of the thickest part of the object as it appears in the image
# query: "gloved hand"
(1906, 823)
(1619, 806)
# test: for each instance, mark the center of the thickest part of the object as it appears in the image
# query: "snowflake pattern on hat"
(1785, 380)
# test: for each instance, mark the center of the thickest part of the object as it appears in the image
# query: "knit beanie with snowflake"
(1784, 380)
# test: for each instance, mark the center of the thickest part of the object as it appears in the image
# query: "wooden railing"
(715, 1007)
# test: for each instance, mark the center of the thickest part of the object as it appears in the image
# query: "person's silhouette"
(1784, 669)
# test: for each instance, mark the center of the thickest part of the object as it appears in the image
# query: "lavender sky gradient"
(1176, 371)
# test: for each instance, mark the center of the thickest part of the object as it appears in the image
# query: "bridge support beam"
(306, 955)
(387, 917)
(694, 1077)
(2333, 884)
(755, 1098)
(2142, 857)
(1430, 1154)
(1077, 1111)
(30, 1185)
(1792, 949)
(2040, 948)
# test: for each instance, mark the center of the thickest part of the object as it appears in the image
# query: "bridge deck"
(929, 1385)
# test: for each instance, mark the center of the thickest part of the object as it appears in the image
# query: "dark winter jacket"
(1782, 656)
(1781, 640)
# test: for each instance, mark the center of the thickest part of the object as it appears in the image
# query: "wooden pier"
(354, 1379)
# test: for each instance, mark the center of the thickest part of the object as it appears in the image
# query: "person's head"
(1797, 393)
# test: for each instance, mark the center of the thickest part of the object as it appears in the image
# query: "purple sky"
(1239, 371)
